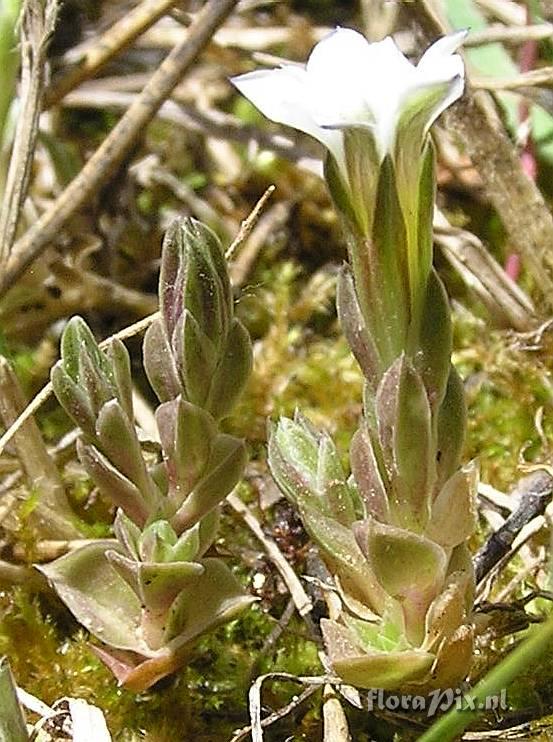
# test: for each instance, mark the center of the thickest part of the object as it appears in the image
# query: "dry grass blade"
(542, 76)
(509, 34)
(37, 26)
(119, 142)
(116, 38)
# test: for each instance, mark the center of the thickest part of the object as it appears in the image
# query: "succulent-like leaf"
(293, 460)
(97, 596)
(157, 585)
(405, 431)
(121, 365)
(119, 442)
(215, 597)
(226, 464)
(387, 670)
(159, 362)
(156, 542)
(77, 337)
(112, 484)
(355, 329)
(232, 372)
(73, 399)
(12, 721)
(331, 483)
(409, 567)
(365, 469)
(453, 518)
(127, 533)
(451, 428)
(343, 557)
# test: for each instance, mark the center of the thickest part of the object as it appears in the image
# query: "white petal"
(282, 96)
(444, 47)
(333, 70)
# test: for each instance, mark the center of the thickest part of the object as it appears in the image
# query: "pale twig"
(249, 223)
(257, 723)
(506, 11)
(119, 141)
(541, 76)
(44, 394)
(52, 514)
(509, 34)
(117, 37)
(270, 222)
(37, 25)
(335, 723)
(211, 122)
(244, 733)
(503, 298)
(301, 599)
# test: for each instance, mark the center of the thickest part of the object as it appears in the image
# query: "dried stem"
(37, 26)
(119, 141)
(116, 38)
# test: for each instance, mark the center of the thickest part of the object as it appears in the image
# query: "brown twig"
(116, 38)
(119, 141)
(37, 25)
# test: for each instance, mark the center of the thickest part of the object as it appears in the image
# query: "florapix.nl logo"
(437, 701)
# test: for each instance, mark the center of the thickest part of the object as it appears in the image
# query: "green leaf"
(12, 721)
(405, 432)
(232, 372)
(293, 461)
(386, 670)
(73, 399)
(119, 442)
(454, 518)
(121, 364)
(113, 484)
(97, 596)
(451, 428)
(331, 483)
(365, 469)
(225, 467)
(214, 598)
(159, 363)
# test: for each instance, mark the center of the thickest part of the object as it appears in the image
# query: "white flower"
(348, 82)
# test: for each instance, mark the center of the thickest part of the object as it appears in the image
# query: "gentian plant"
(393, 534)
(152, 591)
